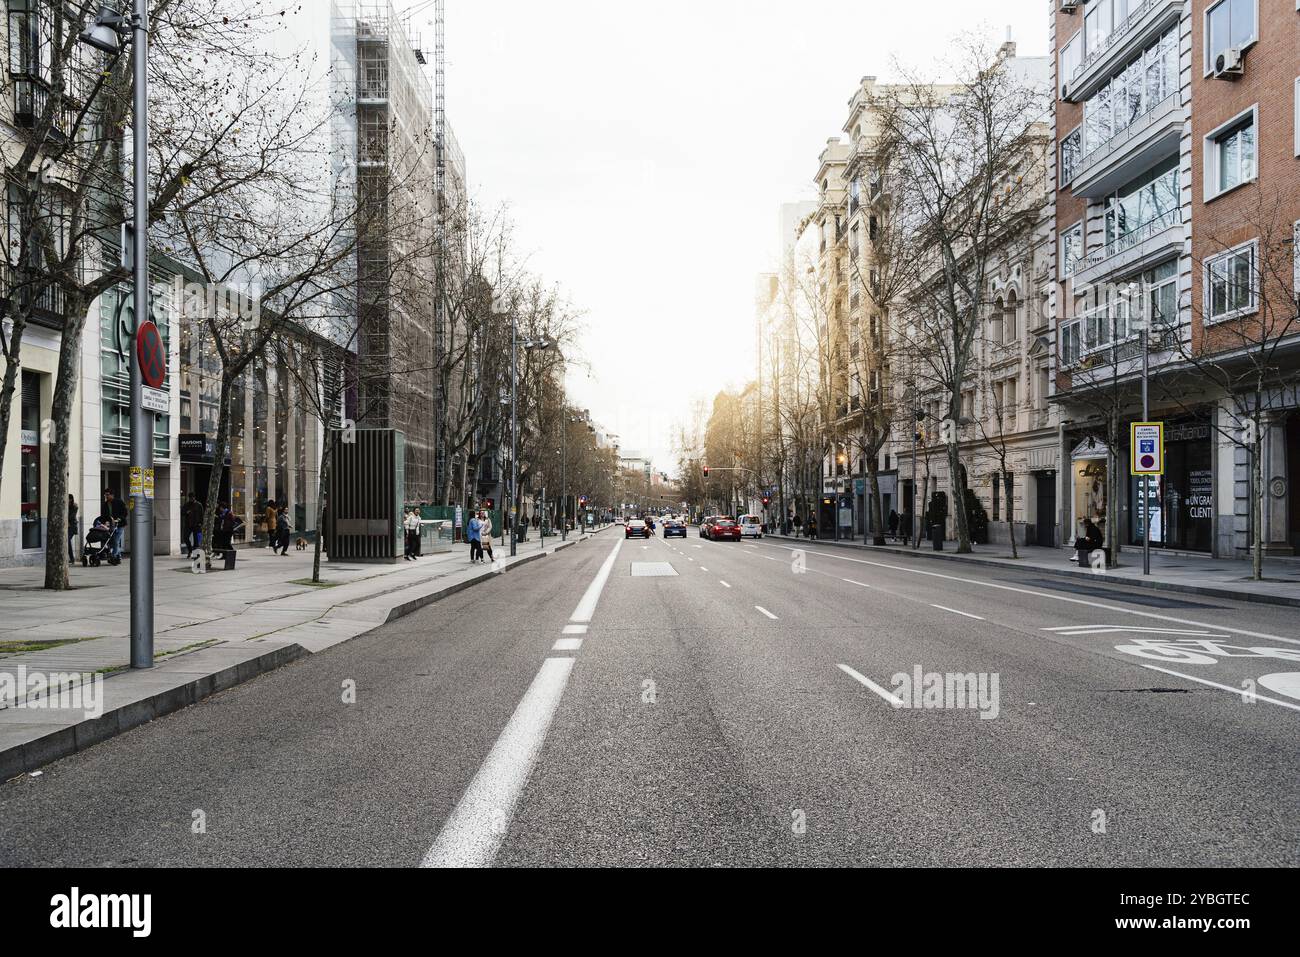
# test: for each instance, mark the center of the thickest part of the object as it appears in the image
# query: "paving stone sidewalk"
(212, 631)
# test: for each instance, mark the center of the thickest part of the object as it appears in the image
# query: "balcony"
(1148, 244)
(31, 96)
(1147, 140)
(1139, 28)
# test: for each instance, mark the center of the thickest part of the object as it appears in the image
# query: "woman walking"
(72, 526)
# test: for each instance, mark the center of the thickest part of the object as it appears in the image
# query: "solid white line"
(852, 582)
(766, 612)
(567, 644)
(867, 682)
(1049, 595)
(1239, 692)
(575, 629)
(587, 607)
(956, 612)
(476, 828)
(724, 584)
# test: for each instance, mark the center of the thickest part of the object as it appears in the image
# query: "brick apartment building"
(1176, 205)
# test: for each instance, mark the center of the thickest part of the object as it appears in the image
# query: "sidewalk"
(211, 632)
(1198, 575)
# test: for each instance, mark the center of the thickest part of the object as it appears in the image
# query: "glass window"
(1229, 23)
(1070, 343)
(1235, 152)
(1071, 249)
(1071, 59)
(1230, 283)
(1071, 149)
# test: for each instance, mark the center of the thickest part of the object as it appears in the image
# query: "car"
(636, 528)
(674, 527)
(705, 524)
(751, 526)
(724, 528)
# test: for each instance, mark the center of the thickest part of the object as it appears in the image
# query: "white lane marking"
(703, 569)
(587, 607)
(852, 582)
(1111, 629)
(766, 612)
(724, 584)
(1050, 595)
(567, 644)
(699, 546)
(956, 612)
(1237, 691)
(868, 683)
(473, 833)
(575, 629)
(1284, 682)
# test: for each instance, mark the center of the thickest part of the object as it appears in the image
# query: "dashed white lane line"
(871, 685)
(965, 614)
(575, 629)
(476, 828)
(567, 644)
(852, 582)
(703, 569)
(1237, 691)
(766, 612)
(1042, 594)
(723, 584)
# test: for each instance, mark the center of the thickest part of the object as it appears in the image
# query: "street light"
(1134, 293)
(112, 31)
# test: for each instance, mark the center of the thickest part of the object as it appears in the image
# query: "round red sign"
(149, 352)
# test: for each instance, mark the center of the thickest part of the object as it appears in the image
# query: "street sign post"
(1146, 458)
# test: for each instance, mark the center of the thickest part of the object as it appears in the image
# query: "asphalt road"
(745, 707)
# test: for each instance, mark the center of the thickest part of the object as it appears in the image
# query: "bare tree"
(964, 171)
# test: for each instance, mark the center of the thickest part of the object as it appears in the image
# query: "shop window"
(30, 460)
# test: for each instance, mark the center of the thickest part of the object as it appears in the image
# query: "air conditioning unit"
(1229, 64)
(1069, 6)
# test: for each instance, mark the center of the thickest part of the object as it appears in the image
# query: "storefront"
(1090, 487)
(1181, 506)
(30, 465)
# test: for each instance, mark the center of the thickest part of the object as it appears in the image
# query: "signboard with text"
(1147, 448)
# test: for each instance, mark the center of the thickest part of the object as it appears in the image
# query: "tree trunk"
(1008, 481)
(959, 495)
(877, 520)
(321, 480)
(12, 367)
(65, 390)
(221, 443)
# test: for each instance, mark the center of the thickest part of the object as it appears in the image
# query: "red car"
(636, 529)
(724, 528)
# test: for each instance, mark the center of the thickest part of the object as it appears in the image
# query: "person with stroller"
(97, 545)
(115, 510)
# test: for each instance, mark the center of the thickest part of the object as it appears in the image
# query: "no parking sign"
(1147, 448)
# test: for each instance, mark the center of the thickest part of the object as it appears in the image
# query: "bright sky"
(644, 151)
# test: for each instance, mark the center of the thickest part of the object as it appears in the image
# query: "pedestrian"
(811, 527)
(270, 523)
(472, 532)
(72, 526)
(1091, 540)
(115, 509)
(893, 524)
(485, 537)
(905, 527)
(192, 522)
(283, 528)
(412, 525)
(227, 525)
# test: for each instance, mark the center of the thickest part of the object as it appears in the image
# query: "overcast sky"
(644, 150)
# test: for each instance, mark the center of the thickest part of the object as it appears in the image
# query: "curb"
(1207, 591)
(65, 741)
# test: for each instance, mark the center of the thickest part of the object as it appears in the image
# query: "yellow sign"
(141, 482)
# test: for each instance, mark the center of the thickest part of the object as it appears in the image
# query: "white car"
(751, 526)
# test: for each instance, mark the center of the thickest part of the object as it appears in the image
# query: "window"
(1229, 23)
(1145, 205)
(1071, 150)
(1230, 154)
(1071, 343)
(1071, 249)
(1011, 318)
(1071, 61)
(996, 333)
(1230, 283)
(1139, 88)
(1161, 284)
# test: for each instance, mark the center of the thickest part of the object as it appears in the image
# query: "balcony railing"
(1140, 124)
(1134, 237)
(1116, 36)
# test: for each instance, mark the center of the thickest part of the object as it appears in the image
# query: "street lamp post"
(110, 31)
(1134, 291)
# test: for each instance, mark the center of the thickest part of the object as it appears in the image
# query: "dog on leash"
(300, 545)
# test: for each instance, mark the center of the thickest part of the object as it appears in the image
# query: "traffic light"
(767, 500)
(706, 471)
(489, 503)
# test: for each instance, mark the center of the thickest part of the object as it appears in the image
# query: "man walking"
(412, 525)
(192, 517)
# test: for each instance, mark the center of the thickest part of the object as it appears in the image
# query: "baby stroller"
(95, 549)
